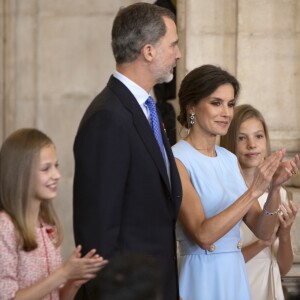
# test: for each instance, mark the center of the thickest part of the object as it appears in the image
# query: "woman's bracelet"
(271, 213)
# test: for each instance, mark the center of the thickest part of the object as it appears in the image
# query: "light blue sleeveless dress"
(219, 274)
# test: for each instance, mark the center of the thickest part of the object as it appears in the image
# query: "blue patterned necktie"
(155, 125)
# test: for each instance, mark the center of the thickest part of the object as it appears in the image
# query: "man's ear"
(148, 52)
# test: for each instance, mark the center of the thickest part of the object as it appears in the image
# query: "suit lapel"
(142, 125)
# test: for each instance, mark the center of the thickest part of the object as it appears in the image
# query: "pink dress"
(20, 269)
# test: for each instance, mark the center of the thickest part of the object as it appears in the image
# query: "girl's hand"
(81, 269)
(287, 217)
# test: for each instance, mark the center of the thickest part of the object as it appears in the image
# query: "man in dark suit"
(127, 190)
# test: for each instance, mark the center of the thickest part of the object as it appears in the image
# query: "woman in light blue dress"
(215, 196)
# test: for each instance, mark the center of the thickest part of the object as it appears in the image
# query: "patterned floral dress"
(20, 269)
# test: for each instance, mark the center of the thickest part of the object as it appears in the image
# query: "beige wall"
(55, 57)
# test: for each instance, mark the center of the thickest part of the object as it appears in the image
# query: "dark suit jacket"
(122, 197)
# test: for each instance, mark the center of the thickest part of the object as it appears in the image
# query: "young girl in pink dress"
(31, 234)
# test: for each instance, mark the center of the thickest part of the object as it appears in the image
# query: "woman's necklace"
(205, 151)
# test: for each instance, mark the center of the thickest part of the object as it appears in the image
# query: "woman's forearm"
(253, 249)
(268, 218)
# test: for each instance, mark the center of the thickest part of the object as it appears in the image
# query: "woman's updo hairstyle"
(200, 83)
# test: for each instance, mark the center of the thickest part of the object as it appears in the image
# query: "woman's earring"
(192, 119)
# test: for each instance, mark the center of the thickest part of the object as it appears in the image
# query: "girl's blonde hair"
(241, 114)
(19, 157)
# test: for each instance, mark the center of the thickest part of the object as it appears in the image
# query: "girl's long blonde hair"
(19, 156)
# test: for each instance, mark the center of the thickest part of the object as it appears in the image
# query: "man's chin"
(166, 79)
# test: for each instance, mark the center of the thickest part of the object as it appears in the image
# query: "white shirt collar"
(139, 93)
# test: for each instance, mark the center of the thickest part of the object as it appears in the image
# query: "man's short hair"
(135, 26)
